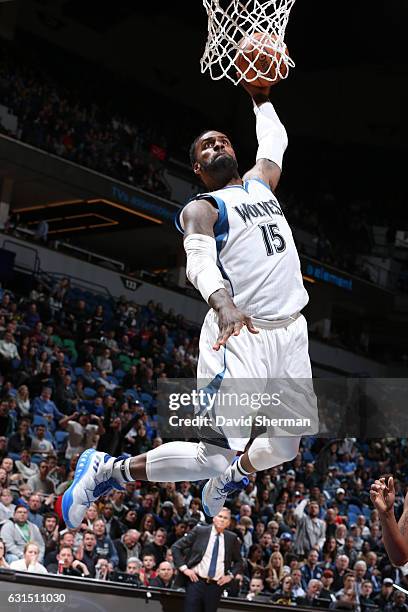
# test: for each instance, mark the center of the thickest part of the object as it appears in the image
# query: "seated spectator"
(6, 421)
(34, 510)
(3, 562)
(40, 445)
(127, 546)
(8, 352)
(399, 603)
(42, 483)
(68, 564)
(103, 569)
(50, 532)
(87, 552)
(340, 571)
(29, 562)
(158, 547)
(104, 363)
(311, 569)
(284, 595)
(23, 401)
(17, 531)
(131, 575)
(254, 566)
(66, 539)
(384, 597)
(147, 572)
(327, 592)
(312, 594)
(256, 591)
(297, 588)
(165, 576)
(21, 440)
(348, 583)
(3, 447)
(274, 571)
(6, 506)
(104, 544)
(366, 600)
(44, 407)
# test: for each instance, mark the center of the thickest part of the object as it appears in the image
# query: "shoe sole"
(205, 507)
(68, 497)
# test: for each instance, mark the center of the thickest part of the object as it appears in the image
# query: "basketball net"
(228, 26)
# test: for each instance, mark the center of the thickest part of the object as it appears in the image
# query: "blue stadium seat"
(79, 371)
(60, 439)
(119, 374)
(89, 392)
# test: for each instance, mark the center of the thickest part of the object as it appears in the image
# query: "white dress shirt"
(203, 567)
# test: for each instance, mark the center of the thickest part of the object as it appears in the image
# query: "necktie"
(214, 557)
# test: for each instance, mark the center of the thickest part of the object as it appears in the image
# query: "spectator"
(284, 595)
(147, 571)
(311, 569)
(6, 506)
(275, 571)
(128, 547)
(349, 550)
(42, 483)
(165, 576)
(311, 531)
(82, 432)
(25, 466)
(365, 598)
(384, 598)
(327, 592)
(16, 532)
(29, 562)
(3, 562)
(104, 544)
(40, 445)
(87, 552)
(50, 532)
(312, 594)
(43, 406)
(21, 440)
(158, 547)
(340, 570)
(256, 591)
(34, 510)
(297, 588)
(70, 565)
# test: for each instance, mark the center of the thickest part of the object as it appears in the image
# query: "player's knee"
(277, 452)
(215, 458)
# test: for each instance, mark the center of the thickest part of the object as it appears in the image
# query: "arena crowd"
(79, 372)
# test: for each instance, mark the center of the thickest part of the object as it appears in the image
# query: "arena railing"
(89, 595)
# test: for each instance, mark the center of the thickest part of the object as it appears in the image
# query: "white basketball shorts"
(263, 382)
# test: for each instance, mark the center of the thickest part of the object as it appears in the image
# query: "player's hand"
(382, 494)
(257, 93)
(230, 322)
(191, 574)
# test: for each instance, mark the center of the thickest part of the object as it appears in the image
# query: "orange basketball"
(262, 62)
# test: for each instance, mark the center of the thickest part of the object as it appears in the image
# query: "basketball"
(250, 61)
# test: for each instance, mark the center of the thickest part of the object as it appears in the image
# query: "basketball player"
(242, 258)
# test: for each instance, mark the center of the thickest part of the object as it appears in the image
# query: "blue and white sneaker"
(216, 491)
(93, 478)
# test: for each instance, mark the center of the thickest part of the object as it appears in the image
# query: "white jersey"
(257, 255)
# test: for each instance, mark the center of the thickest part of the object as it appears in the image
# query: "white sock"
(237, 472)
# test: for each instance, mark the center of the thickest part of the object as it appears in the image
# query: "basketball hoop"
(240, 19)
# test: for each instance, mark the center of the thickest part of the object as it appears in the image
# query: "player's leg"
(97, 473)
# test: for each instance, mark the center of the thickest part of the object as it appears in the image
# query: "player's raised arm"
(202, 271)
(272, 137)
(395, 536)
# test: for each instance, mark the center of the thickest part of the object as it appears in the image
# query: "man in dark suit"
(209, 557)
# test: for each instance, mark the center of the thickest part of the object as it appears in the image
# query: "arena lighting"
(93, 201)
